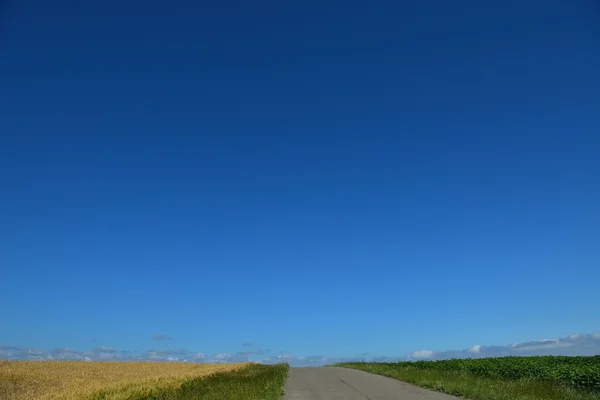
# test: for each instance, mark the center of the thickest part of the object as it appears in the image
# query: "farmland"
(526, 378)
(70, 380)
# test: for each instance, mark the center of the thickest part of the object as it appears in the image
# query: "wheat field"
(70, 380)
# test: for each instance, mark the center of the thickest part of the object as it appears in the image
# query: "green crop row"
(574, 372)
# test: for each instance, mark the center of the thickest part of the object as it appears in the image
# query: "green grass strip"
(470, 386)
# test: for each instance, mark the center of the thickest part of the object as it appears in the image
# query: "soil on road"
(349, 384)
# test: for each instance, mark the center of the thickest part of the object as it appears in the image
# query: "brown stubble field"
(70, 380)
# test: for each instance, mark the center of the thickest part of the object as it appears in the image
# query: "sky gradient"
(315, 178)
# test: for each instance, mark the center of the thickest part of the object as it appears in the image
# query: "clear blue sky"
(326, 178)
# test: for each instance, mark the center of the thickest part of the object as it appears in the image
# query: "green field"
(504, 378)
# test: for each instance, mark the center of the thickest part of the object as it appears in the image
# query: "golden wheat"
(70, 380)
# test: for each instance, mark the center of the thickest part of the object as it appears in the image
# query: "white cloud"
(422, 354)
(576, 344)
(575, 336)
(65, 354)
(222, 357)
(573, 345)
(308, 361)
(102, 353)
(475, 349)
(543, 345)
(7, 352)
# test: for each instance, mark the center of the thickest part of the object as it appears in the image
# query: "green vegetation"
(505, 378)
(254, 382)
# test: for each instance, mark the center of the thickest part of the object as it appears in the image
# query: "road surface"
(349, 384)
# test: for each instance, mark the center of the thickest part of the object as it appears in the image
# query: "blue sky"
(314, 178)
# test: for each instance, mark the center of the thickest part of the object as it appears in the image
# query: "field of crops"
(502, 378)
(53, 380)
(575, 372)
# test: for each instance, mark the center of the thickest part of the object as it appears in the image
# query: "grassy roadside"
(254, 382)
(474, 387)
